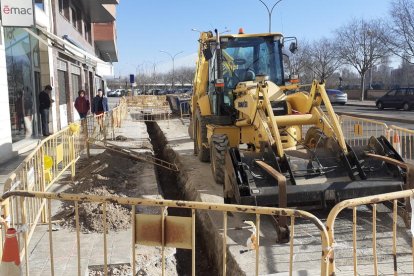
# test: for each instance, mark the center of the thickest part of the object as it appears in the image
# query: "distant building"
(72, 46)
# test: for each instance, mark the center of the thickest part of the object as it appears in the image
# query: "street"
(399, 118)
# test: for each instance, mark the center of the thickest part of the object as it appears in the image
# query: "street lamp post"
(173, 59)
(270, 11)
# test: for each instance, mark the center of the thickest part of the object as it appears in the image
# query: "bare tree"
(298, 62)
(400, 34)
(324, 60)
(360, 45)
(185, 75)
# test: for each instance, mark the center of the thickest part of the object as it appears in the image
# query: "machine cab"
(241, 58)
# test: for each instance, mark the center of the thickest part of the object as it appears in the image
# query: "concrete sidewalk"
(367, 103)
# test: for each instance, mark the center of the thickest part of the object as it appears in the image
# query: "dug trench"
(169, 185)
(176, 186)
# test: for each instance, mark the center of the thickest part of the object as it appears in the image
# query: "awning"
(65, 45)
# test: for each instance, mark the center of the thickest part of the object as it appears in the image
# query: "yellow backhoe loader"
(269, 147)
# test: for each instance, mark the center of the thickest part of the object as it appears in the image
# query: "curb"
(378, 118)
(362, 105)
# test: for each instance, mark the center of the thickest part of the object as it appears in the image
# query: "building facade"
(65, 49)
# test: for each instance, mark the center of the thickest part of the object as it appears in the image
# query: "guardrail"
(168, 231)
(50, 160)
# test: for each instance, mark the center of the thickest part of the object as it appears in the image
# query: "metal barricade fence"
(358, 249)
(163, 230)
(147, 108)
(402, 140)
(357, 131)
(45, 165)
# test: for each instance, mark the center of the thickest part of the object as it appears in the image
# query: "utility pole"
(173, 59)
(270, 11)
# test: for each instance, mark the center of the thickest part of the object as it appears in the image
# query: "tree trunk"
(361, 97)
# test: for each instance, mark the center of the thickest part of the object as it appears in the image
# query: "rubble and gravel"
(106, 174)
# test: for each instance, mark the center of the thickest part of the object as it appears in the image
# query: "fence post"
(72, 154)
(85, 130)
(43, 181)
(104, 126)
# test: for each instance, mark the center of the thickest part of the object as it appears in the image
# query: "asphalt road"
(389, 116)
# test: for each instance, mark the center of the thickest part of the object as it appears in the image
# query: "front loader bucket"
(318, 177)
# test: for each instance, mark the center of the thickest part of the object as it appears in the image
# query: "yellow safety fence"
(367, 245)
(147, 108)
(357, 131)
(52, 157)
(165, 231)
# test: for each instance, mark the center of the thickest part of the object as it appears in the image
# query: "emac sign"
(17, 13)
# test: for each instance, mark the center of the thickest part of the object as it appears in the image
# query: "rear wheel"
(315, 138)
(380, 105)
(190, 129)
(200, 138)
(218, 148)
(406, 107)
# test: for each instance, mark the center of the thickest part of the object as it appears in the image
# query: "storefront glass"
(22, 99)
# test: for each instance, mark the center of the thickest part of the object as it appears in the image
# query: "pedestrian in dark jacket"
(100, 103)
(82, 104)
(44, 105)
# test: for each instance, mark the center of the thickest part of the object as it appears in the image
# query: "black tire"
(406, 106)
(228, 198)
(218, 148)
(190, 129)
(315, 138)
(380, 105)
(200, 138)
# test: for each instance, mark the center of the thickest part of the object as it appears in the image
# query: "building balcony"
(105, 40)
(97, 11)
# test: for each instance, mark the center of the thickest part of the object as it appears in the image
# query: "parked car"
(400, 98)
(111, 93)
(337, 96)
(120, 92)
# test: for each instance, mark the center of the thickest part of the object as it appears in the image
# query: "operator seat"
(244, 75)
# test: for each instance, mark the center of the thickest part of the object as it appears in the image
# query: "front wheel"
(406, 107)
(191, 129)
(218, 148)
(380, 105)
(200, 138)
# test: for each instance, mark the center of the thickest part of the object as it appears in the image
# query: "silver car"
(337, 96)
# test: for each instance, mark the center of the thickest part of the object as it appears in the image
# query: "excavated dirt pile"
(106, 174)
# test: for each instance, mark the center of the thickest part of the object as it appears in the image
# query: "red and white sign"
(17, 13)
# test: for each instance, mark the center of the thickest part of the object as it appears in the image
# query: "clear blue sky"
(147, 26)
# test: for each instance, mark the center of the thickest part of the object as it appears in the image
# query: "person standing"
(100, 103)
(44, 105)
(82, 104)
(18, 106)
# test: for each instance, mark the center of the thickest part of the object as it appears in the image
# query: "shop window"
(19, 60)
(76, 81)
